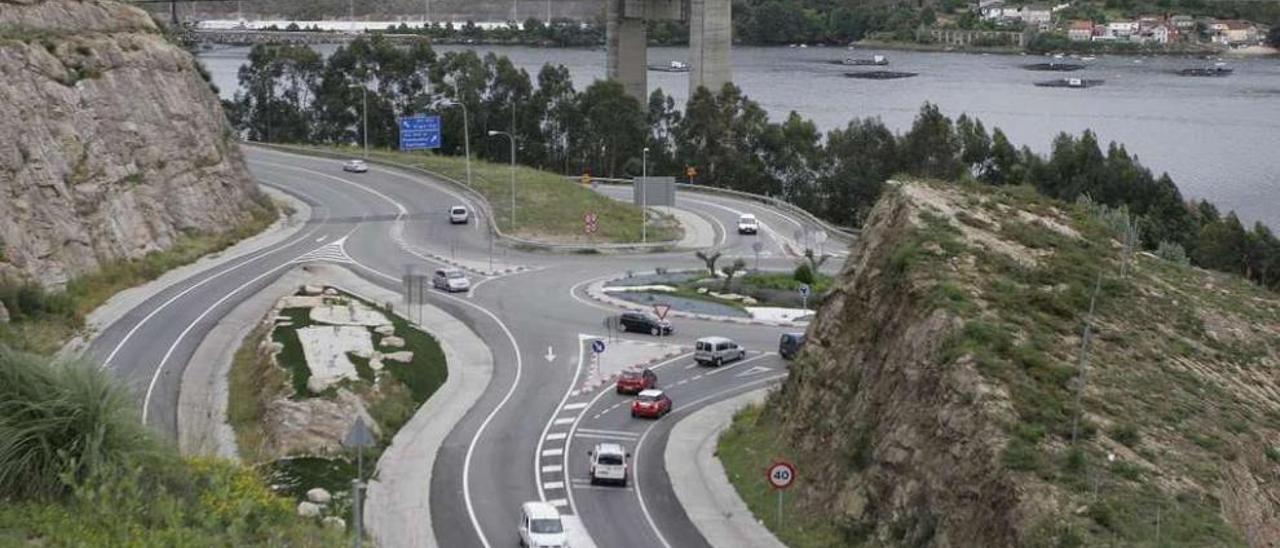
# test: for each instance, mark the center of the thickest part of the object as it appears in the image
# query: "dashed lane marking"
(605, 437)
(559, 502)
(575, 406)
(609, 432)
(553, 485)
(552, 468)
(566, 420)
(552, 452)
(557, 436)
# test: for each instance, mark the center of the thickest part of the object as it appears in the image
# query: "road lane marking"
(557, 436)
(558, 502)
(563, 421)
(604, 437)
(552, 452)
(607, 432)
(740, 362)
(554, 485)
(552, 468)
(575, 406)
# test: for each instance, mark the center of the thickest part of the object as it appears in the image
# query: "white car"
(608, 464)
(355, 166)
(450, 279)
(747, 224)
(458, 215)
(540, 526)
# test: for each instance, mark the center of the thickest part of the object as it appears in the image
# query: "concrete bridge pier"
(628, 44)
(710, 41)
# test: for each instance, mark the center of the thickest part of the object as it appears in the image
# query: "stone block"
(392, 342)
(403, 356)
(319, 495)
(308, 509)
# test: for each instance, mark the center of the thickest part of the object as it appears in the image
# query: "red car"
(650, 403)
(635, 382)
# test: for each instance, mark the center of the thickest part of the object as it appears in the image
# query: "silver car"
(450, 279)
(355, 166)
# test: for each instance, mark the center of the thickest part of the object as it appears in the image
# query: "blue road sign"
(804, 290)
(419, 132)
(597, 346)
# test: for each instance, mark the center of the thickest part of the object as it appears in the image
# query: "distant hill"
(412, 10)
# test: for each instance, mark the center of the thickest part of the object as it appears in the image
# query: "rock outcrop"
(935, 402)
(111, 143)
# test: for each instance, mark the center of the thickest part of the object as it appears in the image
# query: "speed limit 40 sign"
(781, 474)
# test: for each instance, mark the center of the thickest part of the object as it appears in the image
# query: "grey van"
(717, 350)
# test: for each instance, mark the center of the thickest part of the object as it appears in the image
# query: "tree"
(1006, 164)
(1273, 37)
(276, 89)
(1223, 245)
(975, 146)
(710, 258)
(931, 148)
(859, 159)
(731, 271)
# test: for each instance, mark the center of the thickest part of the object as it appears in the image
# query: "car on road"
(458, 215)
(651, 403)
(790, 344)
(644, 323)
(716, 351)
(748, 224)
(635, 381)
(355, 166)
(541, 527)
(608, 464)
(450, 279)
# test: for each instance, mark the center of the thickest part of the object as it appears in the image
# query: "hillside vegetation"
(937, 403)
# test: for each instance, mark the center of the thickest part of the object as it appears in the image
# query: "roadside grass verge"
(42, 321)
(77, 468)
(549, 207)
(252, 382)
(746, 449)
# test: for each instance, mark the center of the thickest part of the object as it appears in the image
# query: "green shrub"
(1125, 433)
(803, 274)
(1173, 252)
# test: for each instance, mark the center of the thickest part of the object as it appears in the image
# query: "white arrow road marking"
(551, 354)
(754, 371)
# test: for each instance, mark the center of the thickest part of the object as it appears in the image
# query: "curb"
(597, 293)
(700, 483)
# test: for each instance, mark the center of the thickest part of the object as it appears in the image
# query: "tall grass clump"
(61, 423)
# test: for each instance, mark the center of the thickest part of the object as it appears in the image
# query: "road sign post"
(358, 437)
(757, 247)
(781, 474)
(420, 132)
(804, 294)
(597, 348)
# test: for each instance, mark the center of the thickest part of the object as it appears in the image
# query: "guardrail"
(849, 233)
(477, 197)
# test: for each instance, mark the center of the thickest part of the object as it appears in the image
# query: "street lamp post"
(510, 137)
(364, 103)
(466, 131)
(644, 195)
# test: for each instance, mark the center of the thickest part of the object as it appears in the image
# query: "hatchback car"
(644, 323)
(632, 381)
(458, 215)
(541, 527)
(355, 166)
(790, 344)
(748, 224)
(716, 351)
(608, 464)
(450, 279)
(651, 404)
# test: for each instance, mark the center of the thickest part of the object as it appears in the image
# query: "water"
(1219, 138)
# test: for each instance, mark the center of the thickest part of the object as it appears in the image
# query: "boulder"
(392, 342)
(319, 495)
(4, 313)
(376, 364)
(385, 330)
(331, 292)
(308, 509)
(403, 356)
(312, 290)
(334, 522)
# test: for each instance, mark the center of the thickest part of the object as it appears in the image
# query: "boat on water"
(875, 60)
(1054, 66)
(1070, 83)
(671, 66)
(1216, 70)
(879, 74)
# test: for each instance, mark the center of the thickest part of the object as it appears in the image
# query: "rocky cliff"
(936, 402)
(111, 144)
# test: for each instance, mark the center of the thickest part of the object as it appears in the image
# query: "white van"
(608, 464)
(540, 526)
(747, 224)
(717, 350)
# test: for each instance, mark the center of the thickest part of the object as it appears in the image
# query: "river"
(1219, 138)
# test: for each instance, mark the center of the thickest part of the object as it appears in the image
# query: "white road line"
(696, 377)
(604, 437)
(566, 420)
(606, 432)
(552, 452)
(552, 468)
(542, 495)
(557, 436)
(575, 406)
(723, 369)
(635, 464)
(558, 502)
(554, 485)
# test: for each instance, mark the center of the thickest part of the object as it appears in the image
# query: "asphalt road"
(384, 223)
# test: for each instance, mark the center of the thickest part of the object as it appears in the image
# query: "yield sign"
(661, 310)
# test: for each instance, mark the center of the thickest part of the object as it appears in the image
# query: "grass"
(291, 356)
(42, 321)
(746, 449)
(549, 207)
(252, 383)
(77, 468)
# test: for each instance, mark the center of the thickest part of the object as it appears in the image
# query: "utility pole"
(512, 138)
(644, 195)
(1084, 359)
